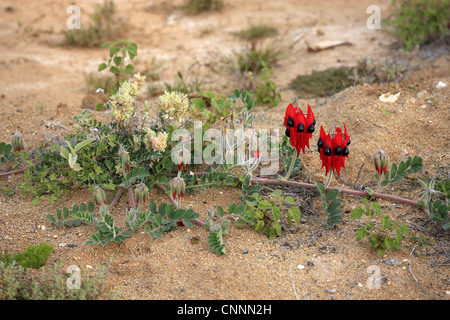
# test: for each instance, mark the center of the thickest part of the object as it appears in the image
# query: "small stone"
(301, 267)
(43, 228)
(62, 245)
(440, 85)
(330, 290)
(88, 266)
(447, 292)
(310, 263)
(245, 251)
(394, 262)
(55, 236)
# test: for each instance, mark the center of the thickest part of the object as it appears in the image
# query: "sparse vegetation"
(105, 26)
(201, 6)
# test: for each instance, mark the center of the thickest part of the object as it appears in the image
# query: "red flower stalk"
(299, 128)
(333, 149)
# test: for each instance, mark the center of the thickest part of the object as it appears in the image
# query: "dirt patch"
(43, 80)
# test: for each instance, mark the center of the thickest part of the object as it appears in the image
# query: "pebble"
(62, 244)
(88, 266)
(394, 262)
(301, 267)
(330, 290)
(310, 263)
(43, 228)
(245, 251)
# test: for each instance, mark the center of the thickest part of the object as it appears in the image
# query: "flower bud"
(17, 142)
(381, 161)
(125, 160)
(99, 196)
(141, 194)
(177, 188)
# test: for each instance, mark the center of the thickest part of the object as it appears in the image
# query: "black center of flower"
(290, 122)
(348, 143)
(337, 150)
(327, 151)
(311, 128)
(300, 127)
(287, 133)
(345, 152)
(320, 143)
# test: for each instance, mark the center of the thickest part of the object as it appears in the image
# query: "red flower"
(299, 128)
(333, 150)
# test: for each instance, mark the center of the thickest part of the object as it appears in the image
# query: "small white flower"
(100, 90)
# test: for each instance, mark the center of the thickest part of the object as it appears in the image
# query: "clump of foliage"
(202, 6)
(416, 22)
(119, 52)
(386, 235)
(50, 283)
(105, 26)
(323, 83)
(257, 31)
(33, 257)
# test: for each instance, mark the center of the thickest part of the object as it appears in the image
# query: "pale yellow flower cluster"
(155, 140)
(123, 101)
(173, 108)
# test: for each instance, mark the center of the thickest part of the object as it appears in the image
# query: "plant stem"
(291, 165)
(329, 179)
(116, 198)
(352, 192)
(130, 194)
(12, 172)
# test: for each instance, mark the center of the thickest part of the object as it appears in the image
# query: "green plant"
(105, 25)
(34, 256)
(185, 86)
(323, 83)
(266, 91)
(415, 22)
(386, 235)
(119, 51)
(330, 205)
(257, 31)
(50, 283)
(266, 215)
(201, 6)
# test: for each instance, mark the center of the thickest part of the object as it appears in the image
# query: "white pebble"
(300, 267)
(88, 266)
(440, 85)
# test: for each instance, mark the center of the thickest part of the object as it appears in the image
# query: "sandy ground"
(41, 79)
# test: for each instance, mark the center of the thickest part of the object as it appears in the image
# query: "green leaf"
(389, 242)
(91, 206)
(102, 67)
(295, 213)
(332, 194)
(321, 188)
(277, 193)
(290, 200)
(113, 51)
(129, 69)
(132, 50)
(236, 93)
(50, 218)
(117, 60)
(219, 211)
(65, 213)
(357, 213)
(114, 70)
